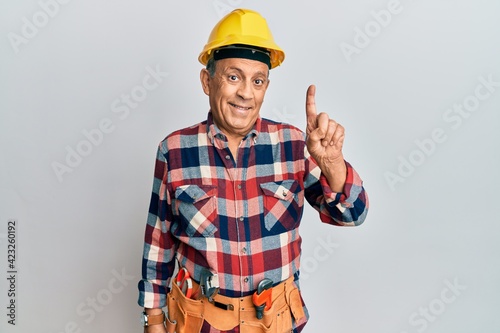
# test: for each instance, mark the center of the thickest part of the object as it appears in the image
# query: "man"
(228, 196)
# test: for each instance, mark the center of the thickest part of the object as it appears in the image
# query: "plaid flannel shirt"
(239, 218)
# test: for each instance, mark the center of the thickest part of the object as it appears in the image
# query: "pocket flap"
(283, 190)
(195, 193)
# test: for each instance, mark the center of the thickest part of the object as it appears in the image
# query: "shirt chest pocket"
(196, 208)
(283, 202)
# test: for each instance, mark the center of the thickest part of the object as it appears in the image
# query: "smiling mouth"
(239, 107)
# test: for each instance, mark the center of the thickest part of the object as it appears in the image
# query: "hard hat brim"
(276, 53)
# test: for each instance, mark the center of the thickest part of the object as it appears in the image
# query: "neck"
(233, 144)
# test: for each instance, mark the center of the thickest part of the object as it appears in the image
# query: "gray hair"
(211, 66)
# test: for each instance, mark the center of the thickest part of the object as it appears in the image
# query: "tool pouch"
(287, 304)
(170, 326)
(181, 318)
(294, 300)
(186, 315)
(275, 320)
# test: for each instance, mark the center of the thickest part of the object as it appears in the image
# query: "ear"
(205, 80)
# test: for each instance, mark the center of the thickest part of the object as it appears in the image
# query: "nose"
(245, 90)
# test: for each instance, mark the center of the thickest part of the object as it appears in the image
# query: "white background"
(434, 227)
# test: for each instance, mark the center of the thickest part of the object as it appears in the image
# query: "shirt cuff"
(352, 188)
(152, 295)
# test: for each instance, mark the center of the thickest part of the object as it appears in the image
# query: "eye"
(259, 82)
(233, 78)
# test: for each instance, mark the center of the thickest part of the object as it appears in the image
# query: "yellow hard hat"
(242, 27)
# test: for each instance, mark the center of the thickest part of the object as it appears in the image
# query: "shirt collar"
(214, 132)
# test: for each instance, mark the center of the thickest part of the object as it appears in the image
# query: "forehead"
(245, 66)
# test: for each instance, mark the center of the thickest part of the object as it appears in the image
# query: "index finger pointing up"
(311, 113)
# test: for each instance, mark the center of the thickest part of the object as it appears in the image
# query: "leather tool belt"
(186, 315)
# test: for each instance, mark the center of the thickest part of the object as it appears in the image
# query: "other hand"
(325, 137)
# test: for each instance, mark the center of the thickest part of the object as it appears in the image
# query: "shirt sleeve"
(159, 245)
(348, 208)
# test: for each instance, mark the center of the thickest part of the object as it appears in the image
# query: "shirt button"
(228, 157)
(242, 218)
(244, 250)
(246, 280)
(239, 186)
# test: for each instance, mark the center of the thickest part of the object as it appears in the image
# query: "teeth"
(240, 107)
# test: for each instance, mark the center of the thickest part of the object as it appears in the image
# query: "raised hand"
(325, 139)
